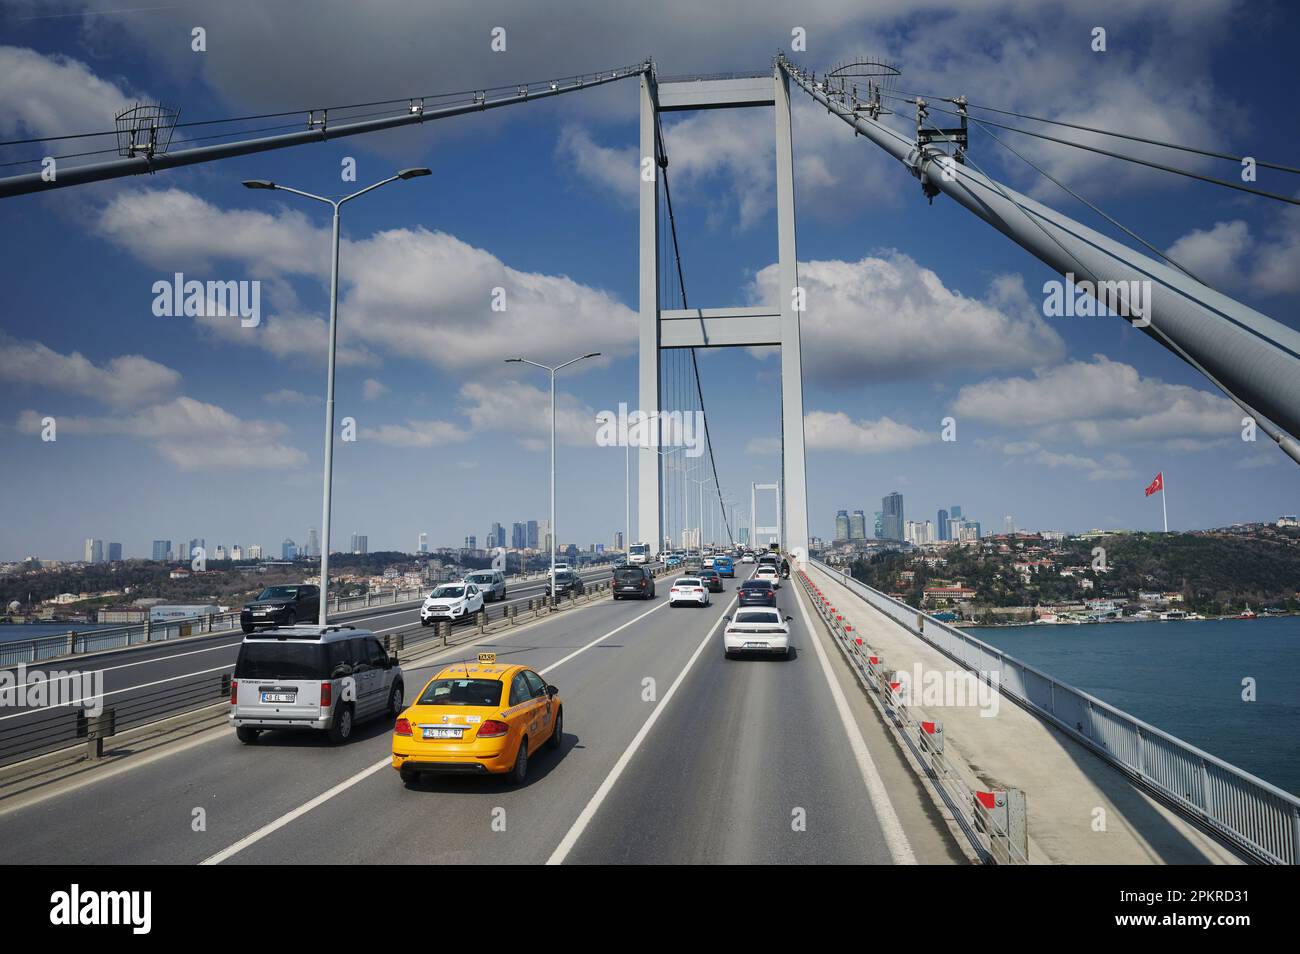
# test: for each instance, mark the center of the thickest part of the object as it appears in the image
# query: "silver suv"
(491, 582)
(308, 677)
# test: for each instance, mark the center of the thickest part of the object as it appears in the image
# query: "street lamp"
(555, 539)
(329, 379)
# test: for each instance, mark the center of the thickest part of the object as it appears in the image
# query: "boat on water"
(1247, 613)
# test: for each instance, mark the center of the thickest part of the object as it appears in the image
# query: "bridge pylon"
(765, 325)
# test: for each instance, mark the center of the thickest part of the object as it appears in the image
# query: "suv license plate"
(278, 696)
(441, 732)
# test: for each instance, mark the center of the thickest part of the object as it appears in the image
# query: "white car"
(770, 573)
(688, 591)
(747, 558)
(452, 602)
(756, 630)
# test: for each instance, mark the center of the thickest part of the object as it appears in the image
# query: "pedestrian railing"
(1258, 818)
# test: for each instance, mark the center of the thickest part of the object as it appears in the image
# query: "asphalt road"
(670, 754)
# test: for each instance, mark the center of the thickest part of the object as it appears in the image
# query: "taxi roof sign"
(487, 658)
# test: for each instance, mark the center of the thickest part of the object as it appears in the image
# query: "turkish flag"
(1157, 485)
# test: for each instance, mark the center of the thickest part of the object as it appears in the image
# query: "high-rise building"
(841, 525)
(519, 535)
(199, 542)
(891, 508)
(1008, 524)
(857, 525)
(942, 525)
(955, 511)
(360, 543)
(471, 542)
(114, 552)
(94, 550)
(236, 552)
(423, 544)
(533, 540)
(618, 540)
(878, 530)
(255, 552)
(161, 548)
(313, 543)
(497, 536)
(288, 550)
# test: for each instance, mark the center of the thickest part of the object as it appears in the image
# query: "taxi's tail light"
(234, 692)
(403, 727)
(326, 695)
(492, 729)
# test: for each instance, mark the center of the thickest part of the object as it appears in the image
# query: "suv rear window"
(630, 573)
(756, 585)
(277, 660)
(462, 692)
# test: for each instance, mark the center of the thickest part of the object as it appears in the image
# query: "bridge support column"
(649, 523)
(794, 490)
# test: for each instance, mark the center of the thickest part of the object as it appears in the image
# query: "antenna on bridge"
(145, 129)
(859, 83)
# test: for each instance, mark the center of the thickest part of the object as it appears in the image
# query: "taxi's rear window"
(462, 692)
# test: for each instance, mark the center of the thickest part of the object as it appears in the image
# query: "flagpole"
(1163, 506)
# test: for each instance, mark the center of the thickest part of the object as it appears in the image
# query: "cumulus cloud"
(192, 434)
(1101, 402)
(290, 396)
(416, 434)
(836, 431)
(406, 292)
(55, 95)
(1110, 466)
(124, 381)
(372, 390)
(523, 411)
(1232, 255)
(887, 317)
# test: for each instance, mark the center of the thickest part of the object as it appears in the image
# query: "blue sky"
(176, 427)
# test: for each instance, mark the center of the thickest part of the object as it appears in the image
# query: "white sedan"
(756, 631)
(451, 602)
(747, 558)
(769, 573)
(688, 591)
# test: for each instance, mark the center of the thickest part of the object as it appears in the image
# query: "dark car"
(566, 582)
(281, 606)
(633, 582)
(756, 593)
(712, 580)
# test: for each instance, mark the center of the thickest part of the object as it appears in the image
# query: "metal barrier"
(1252, 815)
(998, 835)
(24, 736)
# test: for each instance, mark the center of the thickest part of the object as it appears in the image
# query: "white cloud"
(523, 411)
(1100, 403)
(416, 434)
(615, 170)
(124, 381)
(1111, 466)
(1231, 255)
(889, 318)
(372, 390)
(56, 95)
(409, 293)
(193, 435)
(836, 431)
(290, 396)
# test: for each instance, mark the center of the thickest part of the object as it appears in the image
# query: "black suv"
(281, 606)
(566, 582)
(634, 582)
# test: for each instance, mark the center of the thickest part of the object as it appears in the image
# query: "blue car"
(724, 565)
(672, 560)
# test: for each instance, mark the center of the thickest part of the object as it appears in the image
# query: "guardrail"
(73, 643)
(999, 833)
(1258, 818)
(24, 736)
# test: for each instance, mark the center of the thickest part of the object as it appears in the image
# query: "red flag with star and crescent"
(1157, 485)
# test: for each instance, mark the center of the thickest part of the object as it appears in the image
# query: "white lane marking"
(298, 812)
(361, 776)
(583, 820)
(900, 849)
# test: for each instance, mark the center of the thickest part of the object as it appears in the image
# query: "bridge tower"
(776, 323)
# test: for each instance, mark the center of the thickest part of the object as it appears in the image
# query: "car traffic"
(688, 591)
(756, 631)
(451, 602)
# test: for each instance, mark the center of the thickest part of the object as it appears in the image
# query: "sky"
(180, 427)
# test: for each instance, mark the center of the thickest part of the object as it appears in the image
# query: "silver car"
(492, 583)
(308, 677)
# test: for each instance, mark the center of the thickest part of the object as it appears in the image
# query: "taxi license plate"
(278, 696)
(444, 732)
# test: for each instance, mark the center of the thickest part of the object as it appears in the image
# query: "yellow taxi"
(478, 719)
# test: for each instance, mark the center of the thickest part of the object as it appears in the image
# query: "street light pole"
(555, 539)
(336, 205)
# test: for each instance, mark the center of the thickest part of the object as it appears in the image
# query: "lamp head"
(258, 184)
(413, 173)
